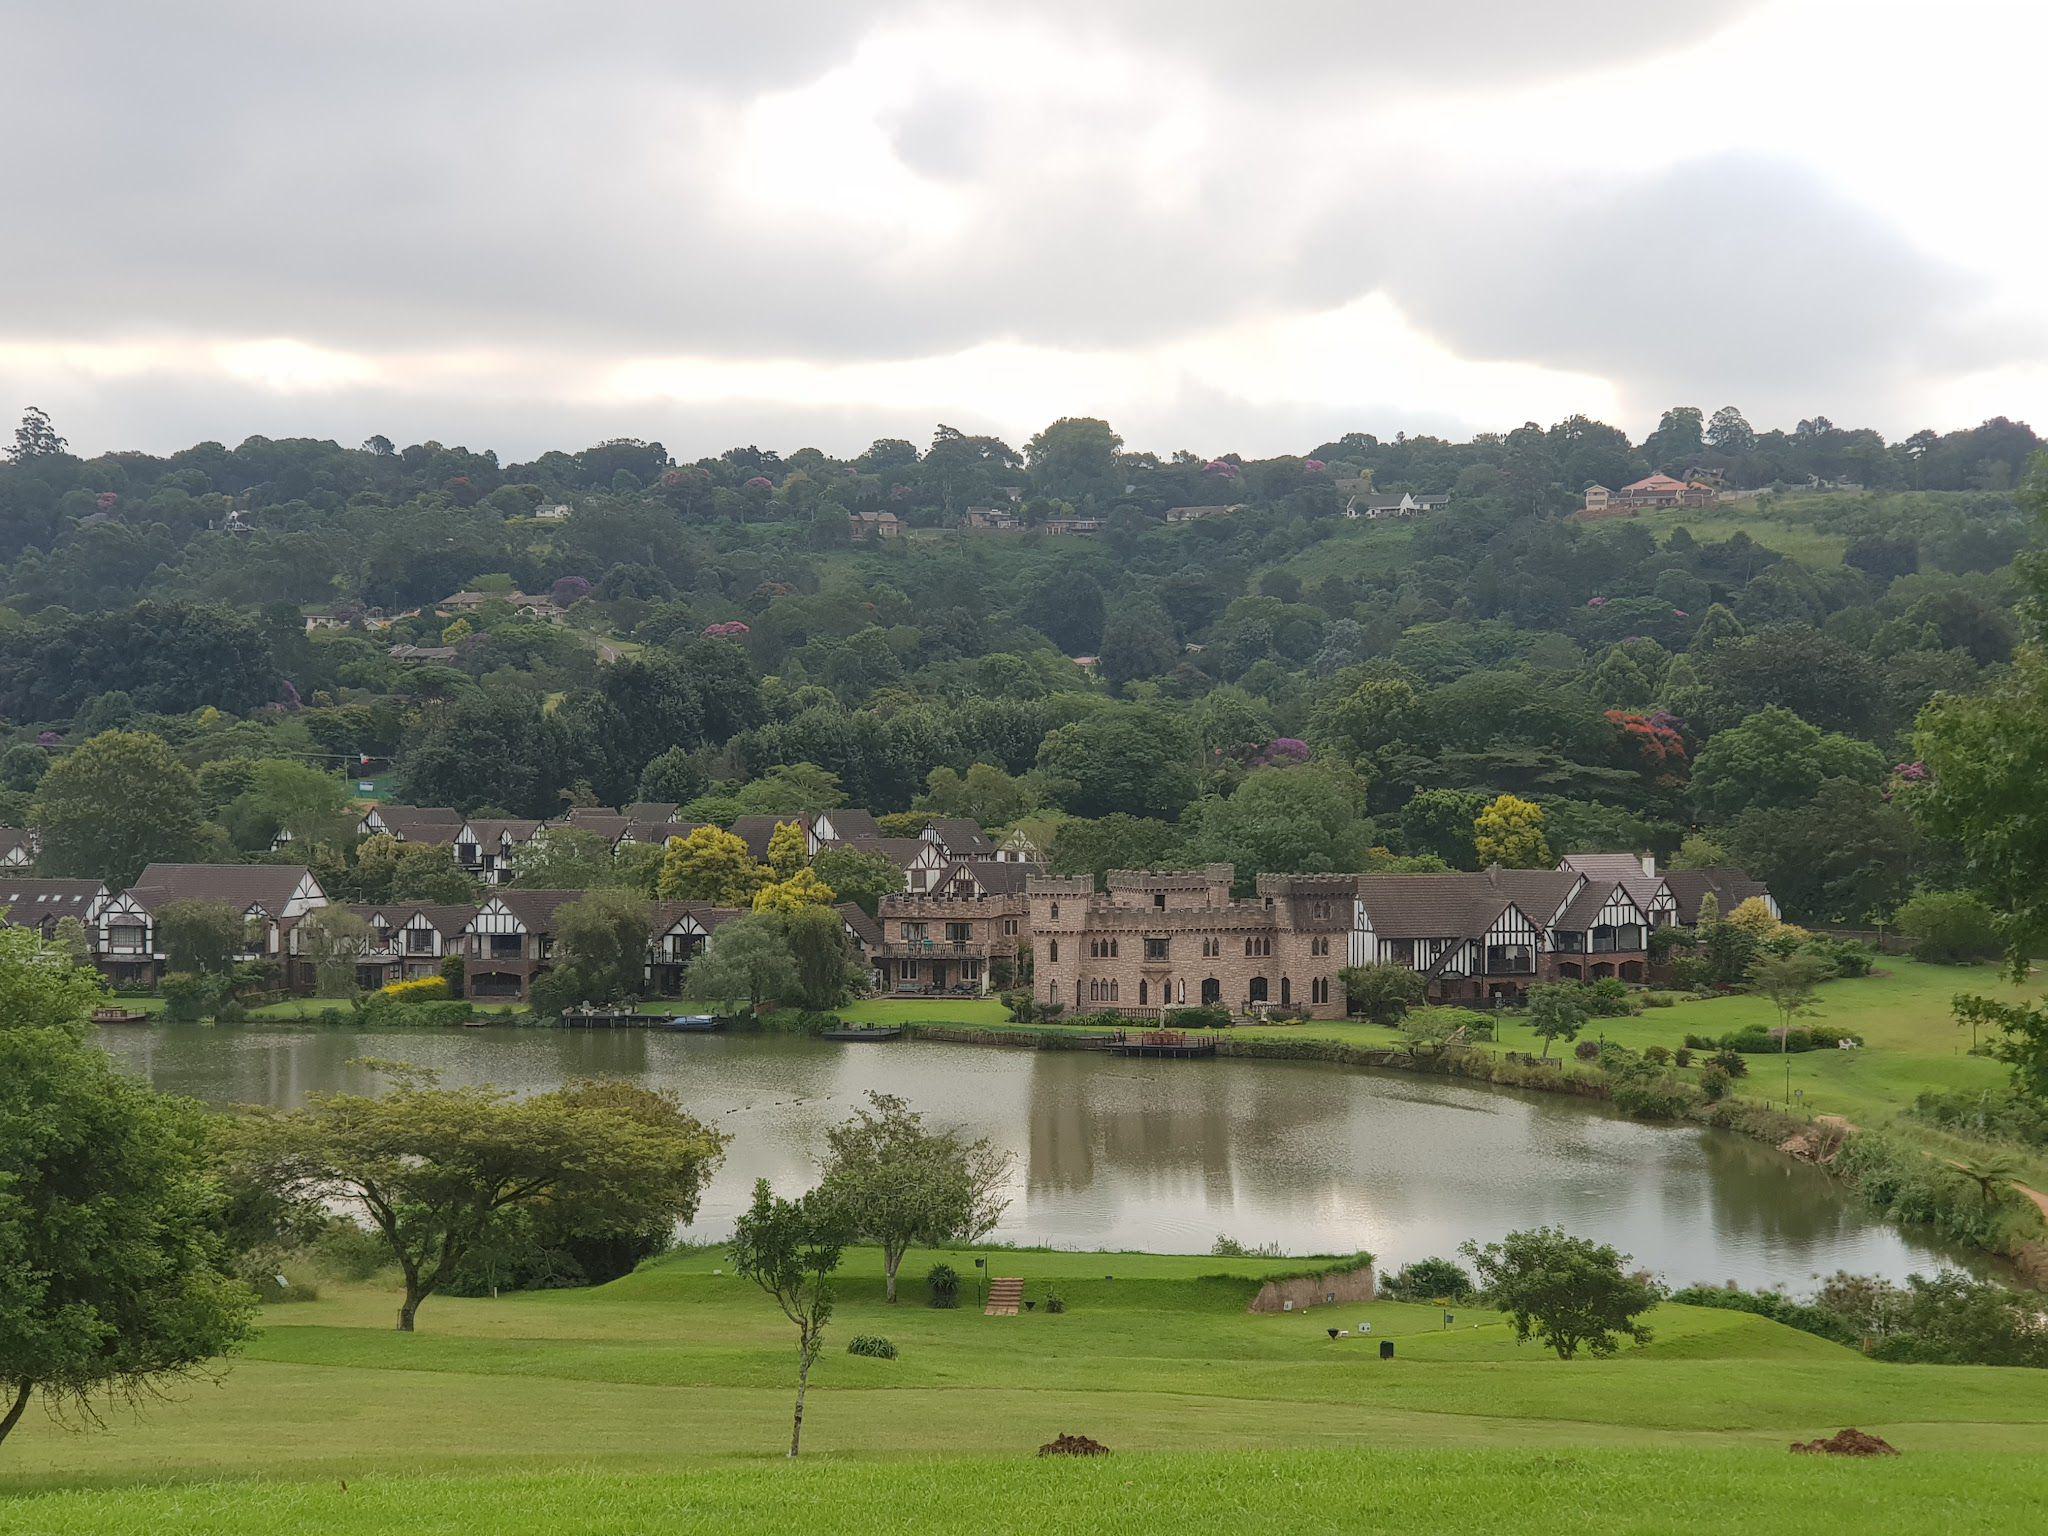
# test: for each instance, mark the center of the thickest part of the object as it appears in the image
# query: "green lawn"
(673, 1387)
(1787, 535)
(1586, 1492)
(976, 1011)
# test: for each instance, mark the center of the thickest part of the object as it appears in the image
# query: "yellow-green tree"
(1509, 832)
(787, 851)
(710, 865)
(800, 890)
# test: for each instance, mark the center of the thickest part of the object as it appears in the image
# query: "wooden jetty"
(119, 1015)
(613, 1017)
(1165, 1045)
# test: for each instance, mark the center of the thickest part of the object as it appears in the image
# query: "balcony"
(930, 949)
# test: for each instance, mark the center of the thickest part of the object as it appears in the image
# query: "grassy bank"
(680, 1367)
(1364, 1490)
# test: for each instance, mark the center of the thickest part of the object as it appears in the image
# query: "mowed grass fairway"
(664, 1400)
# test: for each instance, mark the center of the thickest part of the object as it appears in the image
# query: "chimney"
(1649, 864)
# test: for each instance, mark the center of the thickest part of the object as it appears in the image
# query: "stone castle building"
(1156, 940)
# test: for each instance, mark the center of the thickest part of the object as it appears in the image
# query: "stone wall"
(1332, 1288)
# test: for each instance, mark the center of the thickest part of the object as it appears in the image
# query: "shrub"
(871, 1345)
(1779, 1309)
(1428, 1280)
(380, 1012)
(1657, 1000)
(1848, 957)
(1608, 998)
(1949, 927)
(1657, 1055)
(299, 1284)
(1682, 1057)
(1715, 1082)
(1054, 1301)
(1023, 1007)
(1648, 1095)
(189, 997)
(1587, 1050)
(1382, 994)
(1730, 1062)
(424, 989)
(1701, 1042)
(453, 972)
(1199, 1018)
(944, 1284)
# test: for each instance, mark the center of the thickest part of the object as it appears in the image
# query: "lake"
(1156, 1156)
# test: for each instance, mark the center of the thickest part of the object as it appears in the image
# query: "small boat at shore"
(692, 1024)
(851, 1032)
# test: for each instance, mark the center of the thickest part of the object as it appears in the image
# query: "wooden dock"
(1165, 1045)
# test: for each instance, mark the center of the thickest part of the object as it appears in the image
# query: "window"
(1052, 950)
(1319, 909)
(1260, 946)
(1319, 946)
(1155, 949)
(1258, 989)
(1055, 911)
(1009, 927)
(1159, 899)
(1141, 993)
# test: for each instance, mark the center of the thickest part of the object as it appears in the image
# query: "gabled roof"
(433, 825)
(1657, 482)
(1624, 869)
(599, 822)
(448, 919)
(1731, 887)
(961, 836)
(755, 831)
(1585, 907)
(535, 909)
(849, 821)
(900, 851)
(29, 901)
(706, 916)
(241, 886)
(655, 831)
(12, 838)
(495, 829)
(994, 877)
(1460, 904)
(651, 810)
(866, 931)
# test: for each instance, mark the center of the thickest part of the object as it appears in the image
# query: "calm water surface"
(1155, 1156)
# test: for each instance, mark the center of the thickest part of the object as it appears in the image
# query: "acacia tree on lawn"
(1790, 982)
(900, 1183)
(113, 1274)
(790, 1248)
(1557, 1011)
(433, 1168)
(1568, 1291)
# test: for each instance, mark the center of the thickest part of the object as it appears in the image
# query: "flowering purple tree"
(569, 589)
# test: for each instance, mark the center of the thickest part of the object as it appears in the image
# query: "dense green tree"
(1570, 1292)
(749, 960)
(1302, 820)
(861, 878)
(1775, 759)
(118, 802)
(896, 1182)
(1383, 993)
(1119, 760)
(434, 1169)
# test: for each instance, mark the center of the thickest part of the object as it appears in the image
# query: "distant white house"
(1407, 504)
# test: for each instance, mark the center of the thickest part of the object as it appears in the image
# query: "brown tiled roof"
(28, 900)
(536, 909)
(650, 810)
(755, 831)
(849, 823)
(865, 928)
(709, 917)
(12, 838)
(1731, 887)
(962, 837)
(241, 886)
(433, 825)
(1460, 904)
(995, 876)
(656, 832)
(900, 851)
(490, 829)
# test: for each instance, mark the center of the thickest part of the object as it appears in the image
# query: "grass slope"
(681, 1364)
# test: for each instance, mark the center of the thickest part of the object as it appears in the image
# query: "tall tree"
(117, 803)
(1509, 832)
(1570, 1292)
(710, 865)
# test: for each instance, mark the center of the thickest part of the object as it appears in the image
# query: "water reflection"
(1161, 1156)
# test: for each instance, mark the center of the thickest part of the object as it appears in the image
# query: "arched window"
(1052, 950)
(1141, 994)
(1258, 989)
(1286, 992)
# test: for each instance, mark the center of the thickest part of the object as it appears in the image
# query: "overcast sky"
(1222, 225)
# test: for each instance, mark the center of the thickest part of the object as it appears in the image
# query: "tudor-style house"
(271, 898)
(486, 846)
(682, 932)
(408, 941)
(18, 847)
(1153, 941)
(436, 826)
(961, 937)
(509, 941)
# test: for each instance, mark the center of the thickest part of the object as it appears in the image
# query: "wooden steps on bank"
(1005, 1297)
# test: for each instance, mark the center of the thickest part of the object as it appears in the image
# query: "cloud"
(430, 212)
